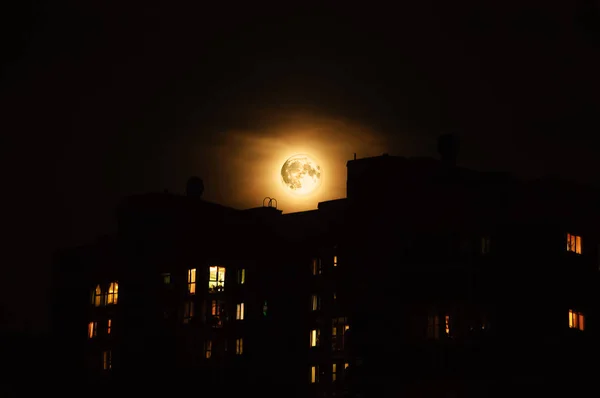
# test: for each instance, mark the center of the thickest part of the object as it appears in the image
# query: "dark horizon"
(101, 102)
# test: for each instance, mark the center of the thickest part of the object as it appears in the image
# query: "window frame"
(486, 243)
(315, 266)
(216, 285)
(208, 349)
(574, 243)
(92, 329)
(192, 275)
(314, 374)
(239, 311)
(112, 294)
(315, 337)
(338, 340)
(107, 360)
(188, 311)
(315, 302)
(97, 296)
(576, 320)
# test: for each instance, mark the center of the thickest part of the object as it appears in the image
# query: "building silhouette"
(428, 280)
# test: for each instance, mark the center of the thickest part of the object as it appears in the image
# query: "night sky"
(100, 101)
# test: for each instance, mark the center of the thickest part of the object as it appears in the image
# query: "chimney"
(448, 149)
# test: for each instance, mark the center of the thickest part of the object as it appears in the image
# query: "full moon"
(301, 174)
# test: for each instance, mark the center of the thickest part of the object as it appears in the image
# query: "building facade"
(428, 279)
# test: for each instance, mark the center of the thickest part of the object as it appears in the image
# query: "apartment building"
(426, 274)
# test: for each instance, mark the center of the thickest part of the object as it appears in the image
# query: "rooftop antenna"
(270, 202)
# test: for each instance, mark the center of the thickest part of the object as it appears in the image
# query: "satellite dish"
(195, 187)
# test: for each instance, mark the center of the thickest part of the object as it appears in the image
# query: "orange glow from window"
(314, 374)
(208, 349)
(315, 302)
(97, 296)
(107, 360)
(316, 266)
(216, 279)
(239, 315)
(109, 326)
(239, 346)
(314, 337)
(448, 325)
(92, 327)
(191, 281)
(574, 243)
(576, 320)
(113, 293)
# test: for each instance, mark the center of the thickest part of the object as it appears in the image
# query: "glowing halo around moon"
(301, 175)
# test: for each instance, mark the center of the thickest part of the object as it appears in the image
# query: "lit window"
(576, 320)
(315, 302)
(485, 245)
(239, 346)
(107, 360)
(92, 329)
(339, 326)
(335, 261)
(97, 296)
(166, 278)
(216, 310)
(241, 276)
(314, 374)
(188, 311)
(346, 365)
(216, 279)
(207, 349)
(191, 281)
(108, 326)
(334, 372)
(574, 243)
(316, 266)
(334, 296)
(113, 293)
(314, 337)
(239, 314)
(447, 325)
